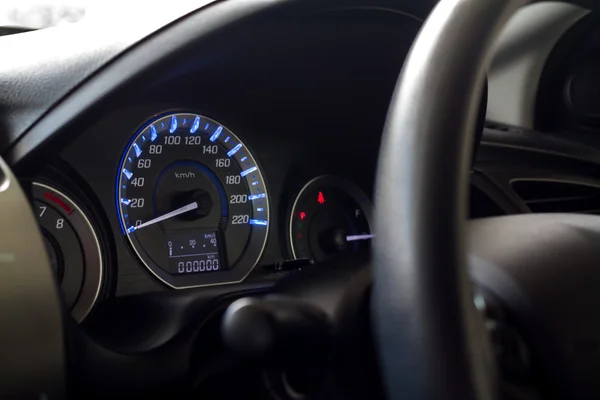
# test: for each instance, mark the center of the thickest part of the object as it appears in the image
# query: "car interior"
(303, 199)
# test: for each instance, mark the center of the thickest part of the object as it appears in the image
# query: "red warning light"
(302, 215)
(321, 198)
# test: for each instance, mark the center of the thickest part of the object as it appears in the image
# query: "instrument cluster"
(194, 204)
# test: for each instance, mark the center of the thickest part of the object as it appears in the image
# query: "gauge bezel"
(91, 248)
(234, 275)
(344, 184)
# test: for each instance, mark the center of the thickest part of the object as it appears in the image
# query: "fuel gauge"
(326, 213)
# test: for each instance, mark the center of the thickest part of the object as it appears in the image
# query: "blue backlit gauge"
(192, 201)
(330, 217)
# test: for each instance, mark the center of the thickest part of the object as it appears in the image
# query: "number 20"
(137, 203)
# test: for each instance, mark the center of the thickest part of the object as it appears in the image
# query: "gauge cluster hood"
(38, 68)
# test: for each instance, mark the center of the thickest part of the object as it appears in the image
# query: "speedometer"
(192, 201)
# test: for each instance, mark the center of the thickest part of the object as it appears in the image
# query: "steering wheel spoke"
(32, 364)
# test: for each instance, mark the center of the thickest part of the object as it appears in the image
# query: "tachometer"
(73, 248)
(192, 201)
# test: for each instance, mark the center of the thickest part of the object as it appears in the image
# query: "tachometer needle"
(171, 214)
(357, 237)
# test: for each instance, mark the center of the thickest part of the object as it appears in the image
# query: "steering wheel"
(429, 338)
(432, 343)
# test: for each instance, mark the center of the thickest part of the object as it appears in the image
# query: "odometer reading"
(193, 252)
(187, 176)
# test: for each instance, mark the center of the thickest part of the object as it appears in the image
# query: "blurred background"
(38, 14)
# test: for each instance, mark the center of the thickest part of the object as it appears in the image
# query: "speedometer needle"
(171, 214)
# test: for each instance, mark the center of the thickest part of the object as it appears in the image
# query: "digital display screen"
(192, 252)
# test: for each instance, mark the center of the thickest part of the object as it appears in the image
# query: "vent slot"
(558, 197)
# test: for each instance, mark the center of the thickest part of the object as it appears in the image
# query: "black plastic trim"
(131, 64)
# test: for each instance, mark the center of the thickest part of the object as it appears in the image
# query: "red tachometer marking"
(59, 202)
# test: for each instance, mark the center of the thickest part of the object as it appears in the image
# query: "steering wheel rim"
(429, 336)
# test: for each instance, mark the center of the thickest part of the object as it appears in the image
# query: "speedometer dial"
(192, 201)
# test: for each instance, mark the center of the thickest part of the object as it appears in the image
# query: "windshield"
(38, 14)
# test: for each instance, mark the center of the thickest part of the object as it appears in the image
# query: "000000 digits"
(197, 266)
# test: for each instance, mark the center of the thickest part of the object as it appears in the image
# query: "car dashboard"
(253, 153)
(274, 137)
